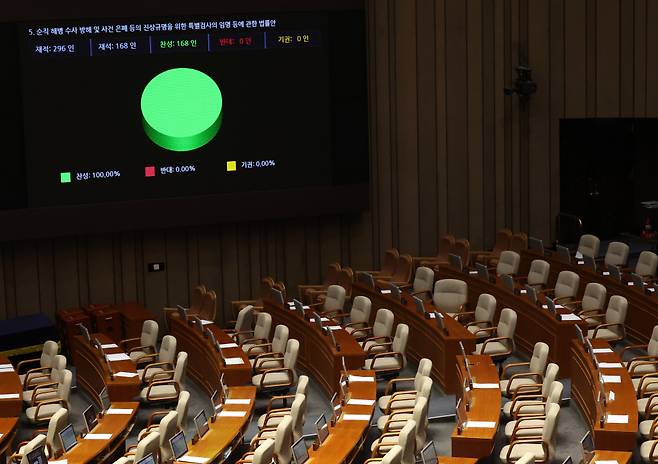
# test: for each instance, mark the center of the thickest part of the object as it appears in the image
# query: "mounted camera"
(524, 86)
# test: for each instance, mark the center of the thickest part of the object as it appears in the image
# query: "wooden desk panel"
(133, 316)
(204, 363)
(622, 457)
(317, 355)
(93, 373)
(118, 425)
(10, 384)
(226, 432)
(533, 325)
(346, 437)
(642, 313)
(585, 389)
(425, 338)
(456, 460)
(485, 406)
(8, 426)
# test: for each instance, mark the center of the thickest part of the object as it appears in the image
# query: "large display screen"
(103, 111)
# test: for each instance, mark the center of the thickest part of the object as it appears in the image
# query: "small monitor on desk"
(395, 292)
(37, 456)
(98, 345)
(428, 454)
(201, 423)
(84, 332)
(567, 460)
(299, 307)
(148, 459)
(483, 272)
(322, 428)
(317, 320)
(536, 244)
(590, 262)
(587, 442)
(579, 334)
(563, 252)
(104, 396)
(67, 438)
(182, 312)
(367, 279)
(614, 272)
(420, 305)
(277, 296)
(216, 402)
(178, 445)
(455, 261)
(91, 417)
(197, 323)
(299, 451)
(211, 336)
(532, 293)
(508, 281)
(461, 415)
(550, 305)
(440, 322)
(342, 360)
(638, 282)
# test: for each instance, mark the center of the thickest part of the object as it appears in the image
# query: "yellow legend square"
(231, 166)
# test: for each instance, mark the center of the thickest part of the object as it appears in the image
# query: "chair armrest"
(499, 339)
(154, 415)
(372, 339)
(278, 398)
(262, 358)
(25, 362)
(265, 346)
(388, 354)
(523, 375)
(371, 350)
(364, 330)
(513, 365)
(287, 370)
(255, 341)
(521, 441)
(61, 401)
(632, 347)
(641, 361)
(159, 383)
(123, 343)
(31, 375)
(392, 383)
(610, 324)
(153, 366)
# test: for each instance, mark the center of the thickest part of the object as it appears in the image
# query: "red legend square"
(149, 171)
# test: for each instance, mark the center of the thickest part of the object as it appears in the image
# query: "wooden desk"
(475, 442)
(119, 425)
(8, 427)
(347, 436)
(317, 354)
(533, 324)
(642, 313)
(425, 338)
(226, 432)
(622, 457)
(585, 389)
(10, 384)
(133, 316)
(204, 363)
(93, 373)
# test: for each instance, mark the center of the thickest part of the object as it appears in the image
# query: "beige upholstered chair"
(259, 336)
(34, 443)
(163, 362)
(334, 300)
(530, 416)
(536, 368)
(168, 428)
(592, 303)
(508, 263)
(423, 281)
(280, 378)
(566, 287)
(612, 326)
(617, 254)
(145, 350)
(405, 437)
(263, 454)
(396, 420)
(150, 444)
(301, 389)
(394, 456)
(273, 418)
(272, 353)
(330, 277)
(644, 364)
(169, 389)
(47, 390)
(416, 382)
(450, 295)
(40, 373)
(44, 410)
(483, 315)
(538, 274)
(181, 408)
(524, 401)
(359, 314)
(646, 265)
(282, 442)
(380, 332)
(589, 245)
(407, 399)
(539, 447)
(57, 422)
(500, 345)
(243, 324)
(392, 359)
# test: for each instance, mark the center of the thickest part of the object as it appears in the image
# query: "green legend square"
(65, 177)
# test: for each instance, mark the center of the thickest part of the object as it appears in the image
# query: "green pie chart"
(181, 109)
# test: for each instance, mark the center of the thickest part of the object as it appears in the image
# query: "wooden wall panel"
(449, 153)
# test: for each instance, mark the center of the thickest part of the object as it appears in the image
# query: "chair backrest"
(168, 428)
(539, 358)
(552, 370)
(527, 458)
(617, 254)
(450, 294)
(555, 392)
(588, 245)
(652, 347)
(196, 297)
(263, 326)
(182, 408)
(594, 296)
(64, 387)
(519, 242)
(423, 279)
(280, 338)
(181, 367)
(147, 445)
(426, 388)
(266, 285)
(567, 284)
(57, 422)
(291, 353)
(403, 269)
(407, 441)
(58, 368)
(331, 277)
(264, 453)
(507, 323)
(390, 261)
(298, 414)
(245, 319)
(616, 313)
(361, 306)
(419, 380)
(283, 441)
(39, 440)
(208, 308)
(335, 298)
(419, 416)
(48, 353)
(446, 245)
(646, 264)
(394, 456)
(149, 335)
(302, 385)
(424, 367)
(538, 273)
(550, 423)
(462, 249)
(346, 279)
(486, 308)
(383, 325)
(400, 341)
(508, 263)
(503, 237)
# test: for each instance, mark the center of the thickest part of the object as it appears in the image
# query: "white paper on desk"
(386, 291)
(602, 350)
(306, 307)
(544, 306)
(581, 262)
(109, 345)
(486, 385)
(128, 375)
(205, 322)
(570, 317)
(360, 378)
(611, 378)
(228, 345)
(98, 436)
(606, 273)
(234, 361)
(61, 461)
(630, 284)
(604, 365)
(237, 401)
(480, 424)
(6, 366)
(473, 272)
(617, 419)
(322, 319)
(334, 327)
(4, 370)
(523, 291)
(606, 462)
(117, 357)
(193, 459)
(119, 411)
(356, 417)
(232, 413)
(357, 402)
(651, 289)
(9, 396)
